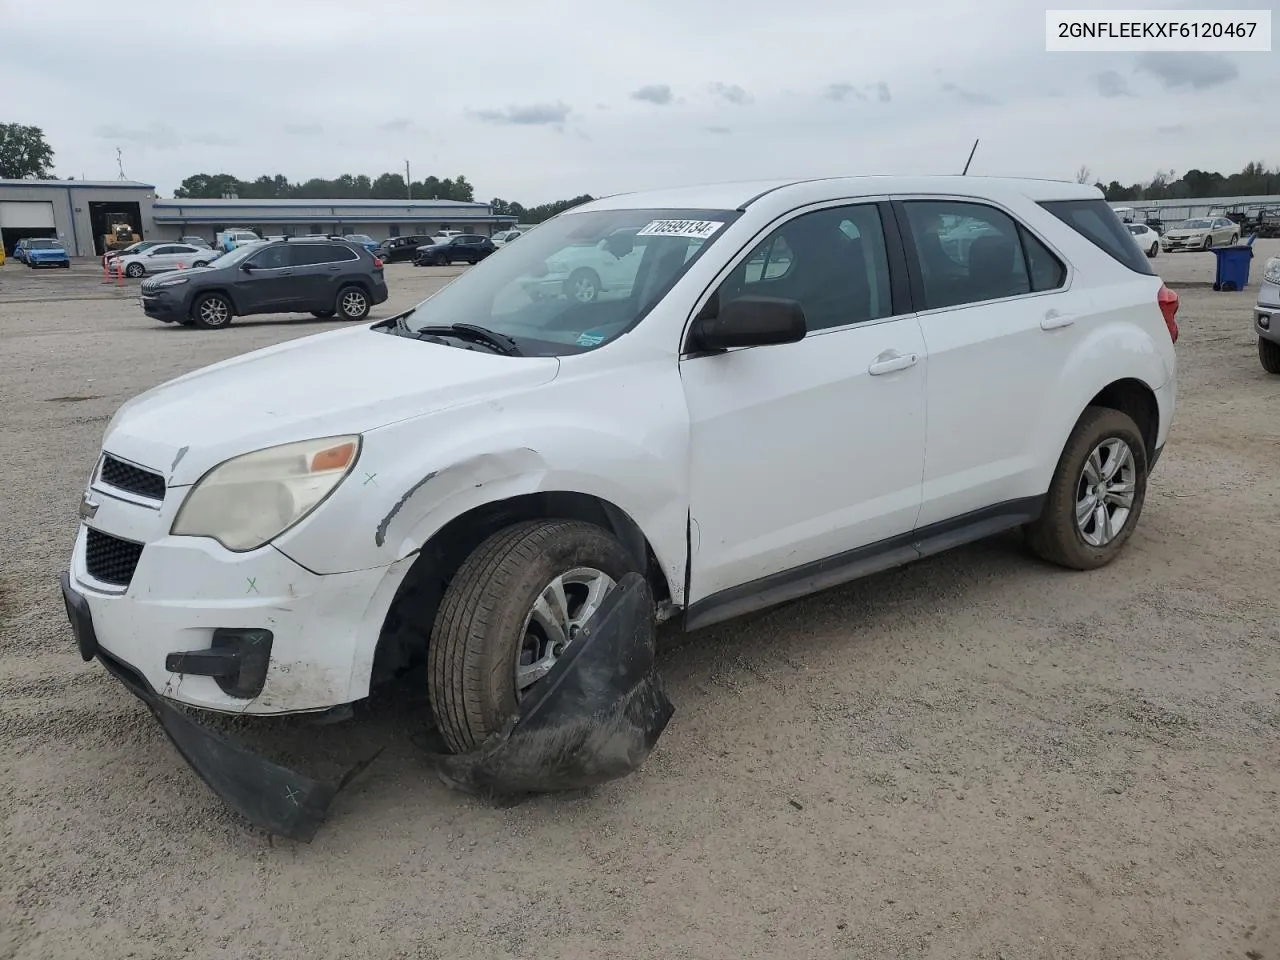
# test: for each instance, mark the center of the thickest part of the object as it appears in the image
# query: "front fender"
(393, 503)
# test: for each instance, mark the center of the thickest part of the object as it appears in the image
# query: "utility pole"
(408, 184)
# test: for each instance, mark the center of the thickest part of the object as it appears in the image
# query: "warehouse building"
(77, 212)
(80, 213)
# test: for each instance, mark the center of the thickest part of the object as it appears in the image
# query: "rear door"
(998, 314)
(328, 266)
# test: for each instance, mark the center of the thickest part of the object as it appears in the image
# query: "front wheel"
(1096, 495)
(1155, 249)
(1235, 238)
(134, 270)
(211, 312)
(583, 285)
(353, 303)
(509, 613)
(1269, 355)
(1208, 243)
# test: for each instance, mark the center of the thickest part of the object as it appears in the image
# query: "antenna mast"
(965, 171)
(120, 163)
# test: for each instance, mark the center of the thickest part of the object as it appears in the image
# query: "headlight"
(1272, 273)
(250, 500)
(174, 282)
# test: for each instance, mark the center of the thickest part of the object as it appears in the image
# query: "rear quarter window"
(1099, 224)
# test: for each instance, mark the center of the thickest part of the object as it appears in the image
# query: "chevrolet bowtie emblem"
(87, 508)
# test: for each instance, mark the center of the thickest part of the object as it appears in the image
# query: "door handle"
(1053, 320)
(890, 362)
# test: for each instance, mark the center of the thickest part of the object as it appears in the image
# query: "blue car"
(20, 251)
(364, 240)
(45, 253)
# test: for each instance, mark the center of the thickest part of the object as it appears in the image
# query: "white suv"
(805, 382)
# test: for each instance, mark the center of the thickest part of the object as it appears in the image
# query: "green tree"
(24, 153)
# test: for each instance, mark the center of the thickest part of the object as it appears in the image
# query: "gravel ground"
(974, 756)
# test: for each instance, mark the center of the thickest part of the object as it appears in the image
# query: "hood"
(37, 252)
(150, 283)
(348, 381)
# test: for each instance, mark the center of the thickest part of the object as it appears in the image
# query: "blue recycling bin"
(1233, 267)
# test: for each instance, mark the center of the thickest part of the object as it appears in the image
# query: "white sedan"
(1148, 239)
(166, 256)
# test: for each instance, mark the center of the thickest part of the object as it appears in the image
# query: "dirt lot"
(975, 756)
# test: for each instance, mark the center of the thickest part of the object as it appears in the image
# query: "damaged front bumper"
(595, 717)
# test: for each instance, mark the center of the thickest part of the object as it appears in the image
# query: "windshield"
(235, 256)
(43, 244)
(359, 238)
(580, 281)
(1195, 224)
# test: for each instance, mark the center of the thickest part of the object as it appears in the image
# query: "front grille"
(111, 559)
(126, 476)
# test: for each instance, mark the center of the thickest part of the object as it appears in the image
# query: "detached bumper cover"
(268, 795)
(595, 717)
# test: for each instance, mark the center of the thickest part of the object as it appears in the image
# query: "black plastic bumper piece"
(268, 795)
(1155, 458)
(237, 661)
(595, 717)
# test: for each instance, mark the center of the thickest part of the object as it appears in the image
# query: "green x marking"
(253, 585)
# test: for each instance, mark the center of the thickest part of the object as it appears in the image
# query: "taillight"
(1168, 301)
(377, 262)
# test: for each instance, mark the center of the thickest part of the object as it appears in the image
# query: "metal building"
(80, 213)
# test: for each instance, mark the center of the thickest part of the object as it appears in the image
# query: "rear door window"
(1098, 223)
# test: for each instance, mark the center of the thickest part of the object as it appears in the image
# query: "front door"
(804, 452)
(269, 281)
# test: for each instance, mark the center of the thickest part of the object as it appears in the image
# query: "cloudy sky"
(538, 101)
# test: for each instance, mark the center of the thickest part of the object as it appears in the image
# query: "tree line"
(386, 186)
(1256, 179)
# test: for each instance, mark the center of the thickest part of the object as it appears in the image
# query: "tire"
(1057, 536)
(1208, 243)
(352, 303)
(199, 263)
(1235, 238)
(1269, 355)
(471, 261)
(583, 285)
(135, 270)
(323, 314)
(1154, 251)
(447, 261)
(487, 624)
(213, 311)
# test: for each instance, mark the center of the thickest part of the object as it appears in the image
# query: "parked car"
(504, 237)
(196, 242)
(396, 249)
(464, 484)
(165, 256)
(464, 248)
(20, 250)
(1200, 233)
(111, 256)
(586, 270)
(320, 277)
(45, 252)
(228, 240)
(364, 240)
(1148, 240)
(1266, 317)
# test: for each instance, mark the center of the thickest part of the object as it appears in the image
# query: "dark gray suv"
(321, 277)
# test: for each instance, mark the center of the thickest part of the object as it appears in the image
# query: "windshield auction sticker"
(697, 229)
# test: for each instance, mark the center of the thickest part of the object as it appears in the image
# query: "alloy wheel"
(557, 617)
(1105, 492)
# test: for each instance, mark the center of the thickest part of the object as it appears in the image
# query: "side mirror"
(750, 322)
(247, 267)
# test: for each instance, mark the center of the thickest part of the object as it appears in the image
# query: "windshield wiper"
(500, 342)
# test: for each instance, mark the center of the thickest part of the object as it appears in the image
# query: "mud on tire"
(1057, 536)
(479, 631)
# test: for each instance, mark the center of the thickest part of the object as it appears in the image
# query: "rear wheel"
(211, 312)
(1269, 355)
(323, 314)
(200, 263)
(1235, 238)
(1155, 249)
(1096, 495)
(353, 303)
(509, 613)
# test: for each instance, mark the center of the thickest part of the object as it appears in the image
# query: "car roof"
(737, 195)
